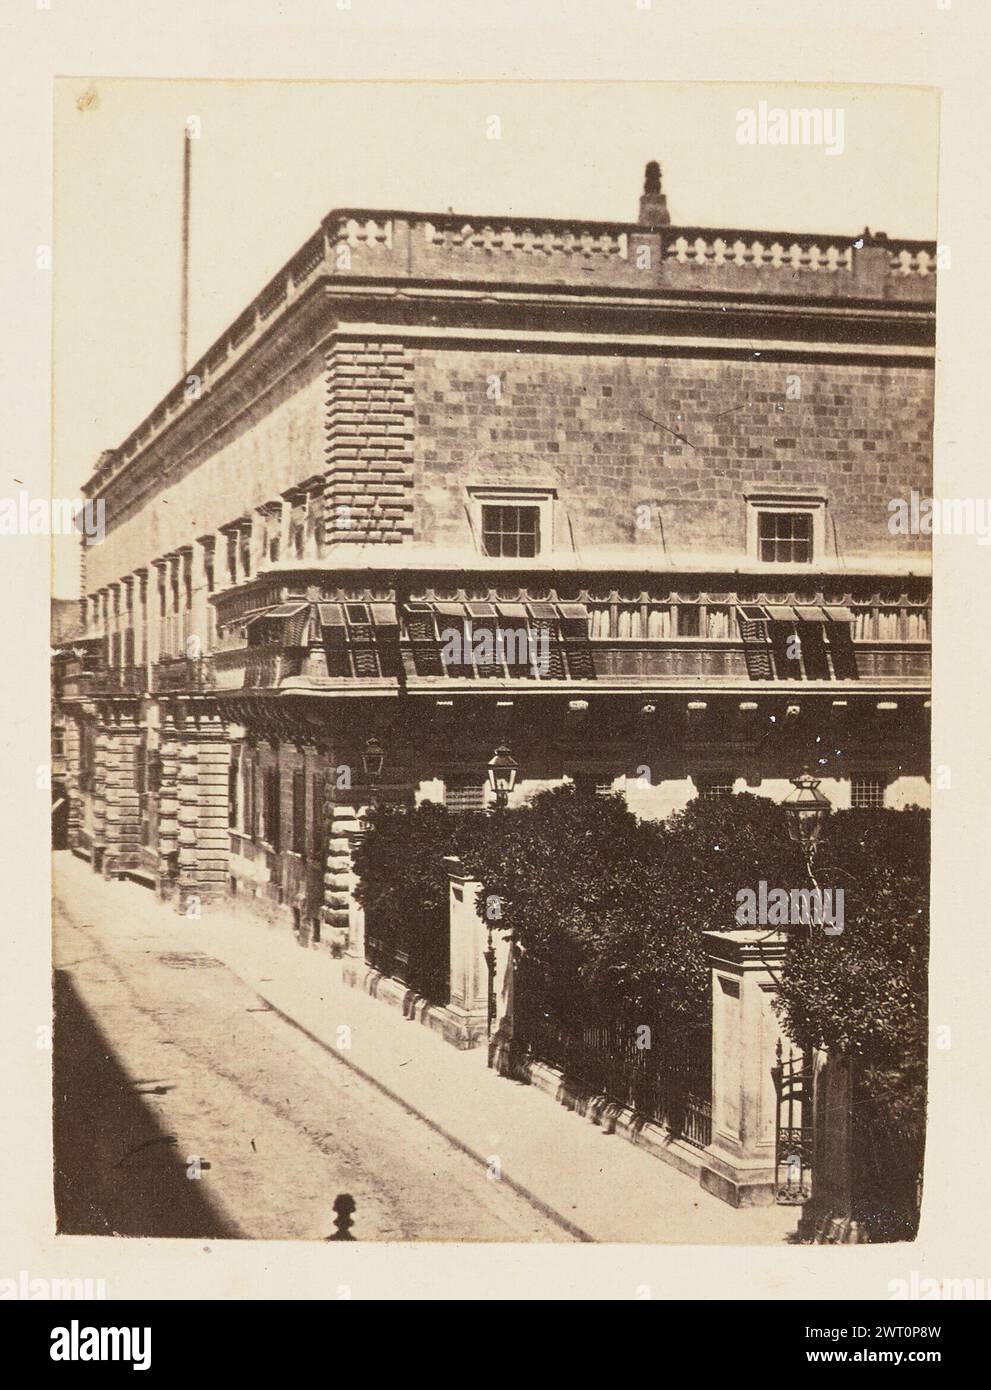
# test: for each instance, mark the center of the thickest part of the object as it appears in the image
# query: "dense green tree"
(608, 911)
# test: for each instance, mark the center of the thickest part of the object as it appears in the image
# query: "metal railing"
(423, 963)
(181, 674)
(665, 1078)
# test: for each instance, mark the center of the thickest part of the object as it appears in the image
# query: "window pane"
(511, 531)
(709, 789)
(784, 537)
(866, 792)
(462, 794)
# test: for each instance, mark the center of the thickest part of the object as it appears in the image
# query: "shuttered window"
(316, 816)
(786, 642)
(272, 807)
(299, 811)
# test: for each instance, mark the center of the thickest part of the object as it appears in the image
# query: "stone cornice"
(746, 948)
(804, 346)
(423, 558)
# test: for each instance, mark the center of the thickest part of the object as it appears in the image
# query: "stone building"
(614, 495)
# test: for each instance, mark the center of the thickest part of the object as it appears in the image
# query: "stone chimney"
(653, 204)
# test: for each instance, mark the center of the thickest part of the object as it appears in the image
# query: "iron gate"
(793, 1133)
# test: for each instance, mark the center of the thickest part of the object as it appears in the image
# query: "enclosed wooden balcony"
(353, 648)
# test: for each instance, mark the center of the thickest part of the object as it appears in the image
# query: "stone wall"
(369, 421)
(603, 431)
(253, 451)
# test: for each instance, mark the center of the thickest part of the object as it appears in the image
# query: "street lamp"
(806, 810)
(502, 769)
(373, 757)
(372, 760)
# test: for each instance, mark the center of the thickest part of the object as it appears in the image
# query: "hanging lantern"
(806, 810)
(502, 770)
(373, 757)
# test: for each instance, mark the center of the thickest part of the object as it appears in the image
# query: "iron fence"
(663, 1076)
(417, 955)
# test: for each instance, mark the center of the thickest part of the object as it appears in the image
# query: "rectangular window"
(273, 792)
(463, 794)
(587, 784)
(299, 812)
(714, 788)
(688, 620)
(513, 532)
(249, 811)
(316, 817)
(866, 792)
(233, 782)
(232, 557)
(784, 538)
(148, 781)
(87, 756)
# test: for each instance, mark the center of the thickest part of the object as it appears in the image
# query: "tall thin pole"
(184, 285)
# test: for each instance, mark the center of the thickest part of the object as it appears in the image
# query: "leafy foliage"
(607, 915)
(400, 864)
(608, 911)
(403, 887)
(864, 992)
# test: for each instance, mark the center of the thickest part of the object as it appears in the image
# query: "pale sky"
(275, 157)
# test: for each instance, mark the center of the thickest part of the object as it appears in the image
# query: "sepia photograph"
(491, 660)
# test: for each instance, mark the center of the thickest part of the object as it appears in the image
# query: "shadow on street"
(117, 1171)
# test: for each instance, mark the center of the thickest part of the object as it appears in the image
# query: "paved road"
(168, 1066)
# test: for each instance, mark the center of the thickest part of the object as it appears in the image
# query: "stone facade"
(646, 389)
(604, 430)
(370, 429)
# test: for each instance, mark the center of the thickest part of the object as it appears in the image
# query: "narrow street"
(184, 1106)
